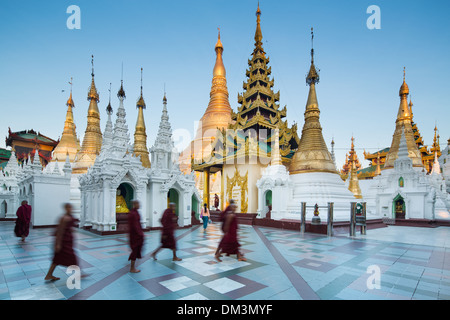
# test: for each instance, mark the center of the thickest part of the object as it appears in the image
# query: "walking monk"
(230, 208)
(63, 251)
(229, 243)
(169, 223)
(22, 227)
(136, 235)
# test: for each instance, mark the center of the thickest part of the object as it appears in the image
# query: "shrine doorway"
(399, 207)
(195, 209)
(124, 195)
(268, 203)
(173, 196)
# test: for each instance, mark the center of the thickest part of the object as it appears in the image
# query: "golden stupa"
(92, 141)
(216, 117)
(69, 143)
(140, 135)
(312, 154)
(403, 123)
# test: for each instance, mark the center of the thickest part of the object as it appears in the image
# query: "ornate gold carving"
(240, 181)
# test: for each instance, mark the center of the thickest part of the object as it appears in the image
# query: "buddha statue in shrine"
(121, 205)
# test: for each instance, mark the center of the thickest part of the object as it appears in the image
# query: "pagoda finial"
(164, 98)
(70, 100)
(404, 90)
(313, 74)
(92, 62)
(219, 43)
(258, 33)
(141, 102)
(109, 109)
(93, 94)
(312, 45)
(121, 92)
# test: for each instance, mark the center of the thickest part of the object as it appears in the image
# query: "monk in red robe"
(135, 235)
(229, 243)
(64, 254)
(22, 227)
(169, 223)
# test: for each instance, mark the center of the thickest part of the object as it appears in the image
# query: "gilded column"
(206, 195)
(140, 135)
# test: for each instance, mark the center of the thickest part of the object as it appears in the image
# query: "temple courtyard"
(413, 263)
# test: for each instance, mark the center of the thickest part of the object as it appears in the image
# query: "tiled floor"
(414, 263)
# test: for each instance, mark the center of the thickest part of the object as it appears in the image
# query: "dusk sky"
(361, 70)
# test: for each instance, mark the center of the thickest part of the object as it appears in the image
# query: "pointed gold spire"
(258, 33)
(140, 135)
(312, 154)
(68, 145)
(219, 68)
(92, 141)
(217, 115)
(403, 123)
(353, 185)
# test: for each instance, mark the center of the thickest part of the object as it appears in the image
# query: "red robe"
(135, 234)
(229, 243)
(66, 256)
(169, 223)
(223, 218)
(22, 227)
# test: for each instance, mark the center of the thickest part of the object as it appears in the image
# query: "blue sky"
(361, 69)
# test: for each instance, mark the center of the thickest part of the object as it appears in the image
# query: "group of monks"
(63, 247)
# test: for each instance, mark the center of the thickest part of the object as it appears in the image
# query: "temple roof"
(29, 136)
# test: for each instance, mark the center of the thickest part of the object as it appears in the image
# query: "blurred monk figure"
(169, 223)
(135, 235)
(64, 254)
(229, 243)
(22, 227)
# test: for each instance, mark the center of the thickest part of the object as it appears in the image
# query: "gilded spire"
(258, 33)
(69, 142)
(93, 94)
(92, 141)
(313, 74)
(403, 123)
(312, 154)
(217, 115)
(140, 136)
(219, 68)
(404, 111)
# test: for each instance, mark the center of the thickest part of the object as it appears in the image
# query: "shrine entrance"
(268, 203)
(173, 196)
(195, 209)
(124, 195)
(399, 207)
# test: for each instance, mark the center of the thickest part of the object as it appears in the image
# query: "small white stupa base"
(320, 188)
